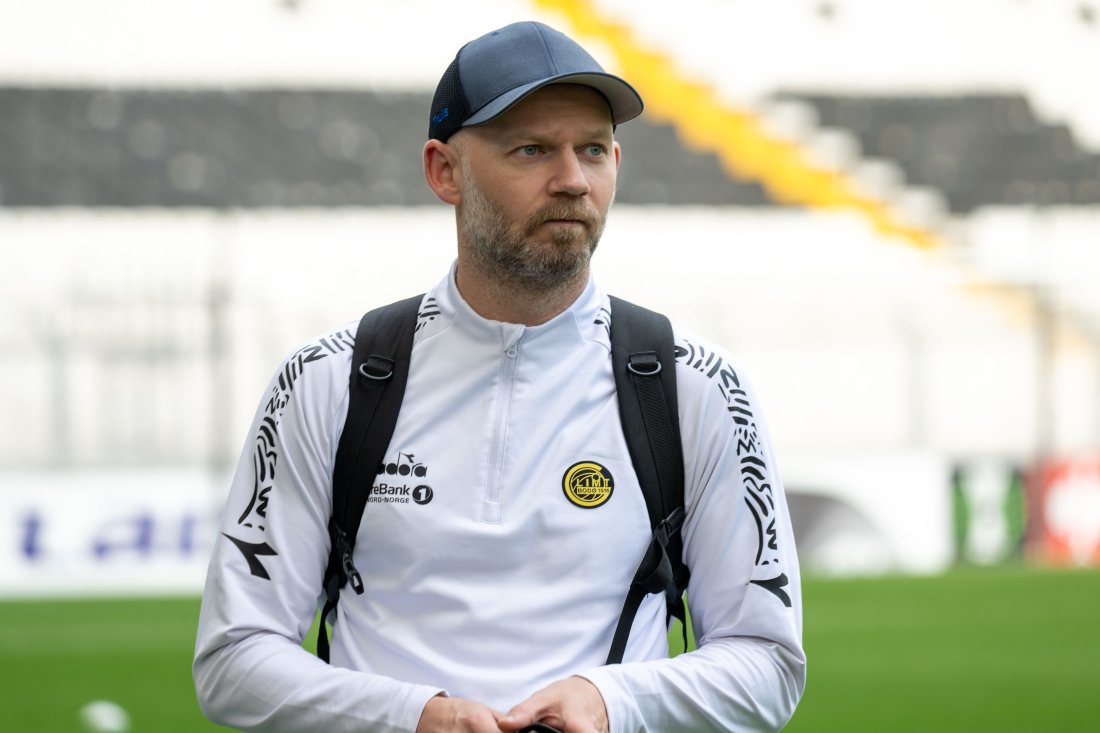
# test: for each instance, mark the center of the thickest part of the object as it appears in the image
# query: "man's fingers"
(455, 715)
(538, 726)
(572, 703)
(530, 715)
(517, 719)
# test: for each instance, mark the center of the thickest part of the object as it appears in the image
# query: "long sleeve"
(748, 672)
(264, 580)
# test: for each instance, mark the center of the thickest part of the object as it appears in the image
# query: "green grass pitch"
(1000, 650)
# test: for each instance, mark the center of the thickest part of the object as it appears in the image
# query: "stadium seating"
(976, 150)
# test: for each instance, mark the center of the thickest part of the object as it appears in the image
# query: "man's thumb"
(516, 719)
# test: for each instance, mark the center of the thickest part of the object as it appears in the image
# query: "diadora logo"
(587, 484)
(389, 491)
(405, 465)
(252, 552)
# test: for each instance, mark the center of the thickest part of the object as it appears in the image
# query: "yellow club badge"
(587, 484)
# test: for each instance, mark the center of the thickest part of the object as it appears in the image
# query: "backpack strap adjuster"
(644, 364)
(376, 367)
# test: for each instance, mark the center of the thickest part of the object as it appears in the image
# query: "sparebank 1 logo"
(398, 482)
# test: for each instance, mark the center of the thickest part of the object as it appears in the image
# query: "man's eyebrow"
(600, 133)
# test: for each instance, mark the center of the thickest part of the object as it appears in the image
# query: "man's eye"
(595, 150)
(529, 150)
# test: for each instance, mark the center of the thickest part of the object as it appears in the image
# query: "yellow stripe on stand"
(745, 147)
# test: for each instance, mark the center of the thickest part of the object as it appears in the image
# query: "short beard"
(508, 253)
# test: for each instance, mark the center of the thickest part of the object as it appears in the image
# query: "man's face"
(536, 185)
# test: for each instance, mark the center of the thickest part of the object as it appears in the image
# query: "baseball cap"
(492, 73)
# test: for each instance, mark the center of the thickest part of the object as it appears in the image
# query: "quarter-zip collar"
(586, 318)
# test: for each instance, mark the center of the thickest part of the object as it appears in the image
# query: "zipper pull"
(515, 333)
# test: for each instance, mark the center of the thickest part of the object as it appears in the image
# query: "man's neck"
(513, 302)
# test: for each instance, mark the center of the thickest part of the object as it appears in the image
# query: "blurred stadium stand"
(272, 148)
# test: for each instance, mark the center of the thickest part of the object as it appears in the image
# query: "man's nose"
(569, 176)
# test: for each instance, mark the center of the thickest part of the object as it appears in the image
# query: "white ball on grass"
(104, 716)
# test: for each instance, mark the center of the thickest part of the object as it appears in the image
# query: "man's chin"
(553, 266)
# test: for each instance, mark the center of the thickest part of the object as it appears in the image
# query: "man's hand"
(573, 704)
(444, 714)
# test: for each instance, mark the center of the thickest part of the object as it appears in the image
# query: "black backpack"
(644, 362)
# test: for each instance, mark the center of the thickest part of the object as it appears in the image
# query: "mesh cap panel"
(449, 106)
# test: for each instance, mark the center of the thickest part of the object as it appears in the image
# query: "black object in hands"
(540, 728)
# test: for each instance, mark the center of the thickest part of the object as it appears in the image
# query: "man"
(490, 601)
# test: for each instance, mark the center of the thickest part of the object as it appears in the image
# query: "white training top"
(484, 577)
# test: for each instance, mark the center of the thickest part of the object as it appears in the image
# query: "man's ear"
(440, 171)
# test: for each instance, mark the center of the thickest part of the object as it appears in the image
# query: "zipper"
(498, 441)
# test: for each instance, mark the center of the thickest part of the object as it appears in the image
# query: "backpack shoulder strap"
(379, 372)
(643, 358)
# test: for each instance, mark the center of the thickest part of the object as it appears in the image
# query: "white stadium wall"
(856, 342)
